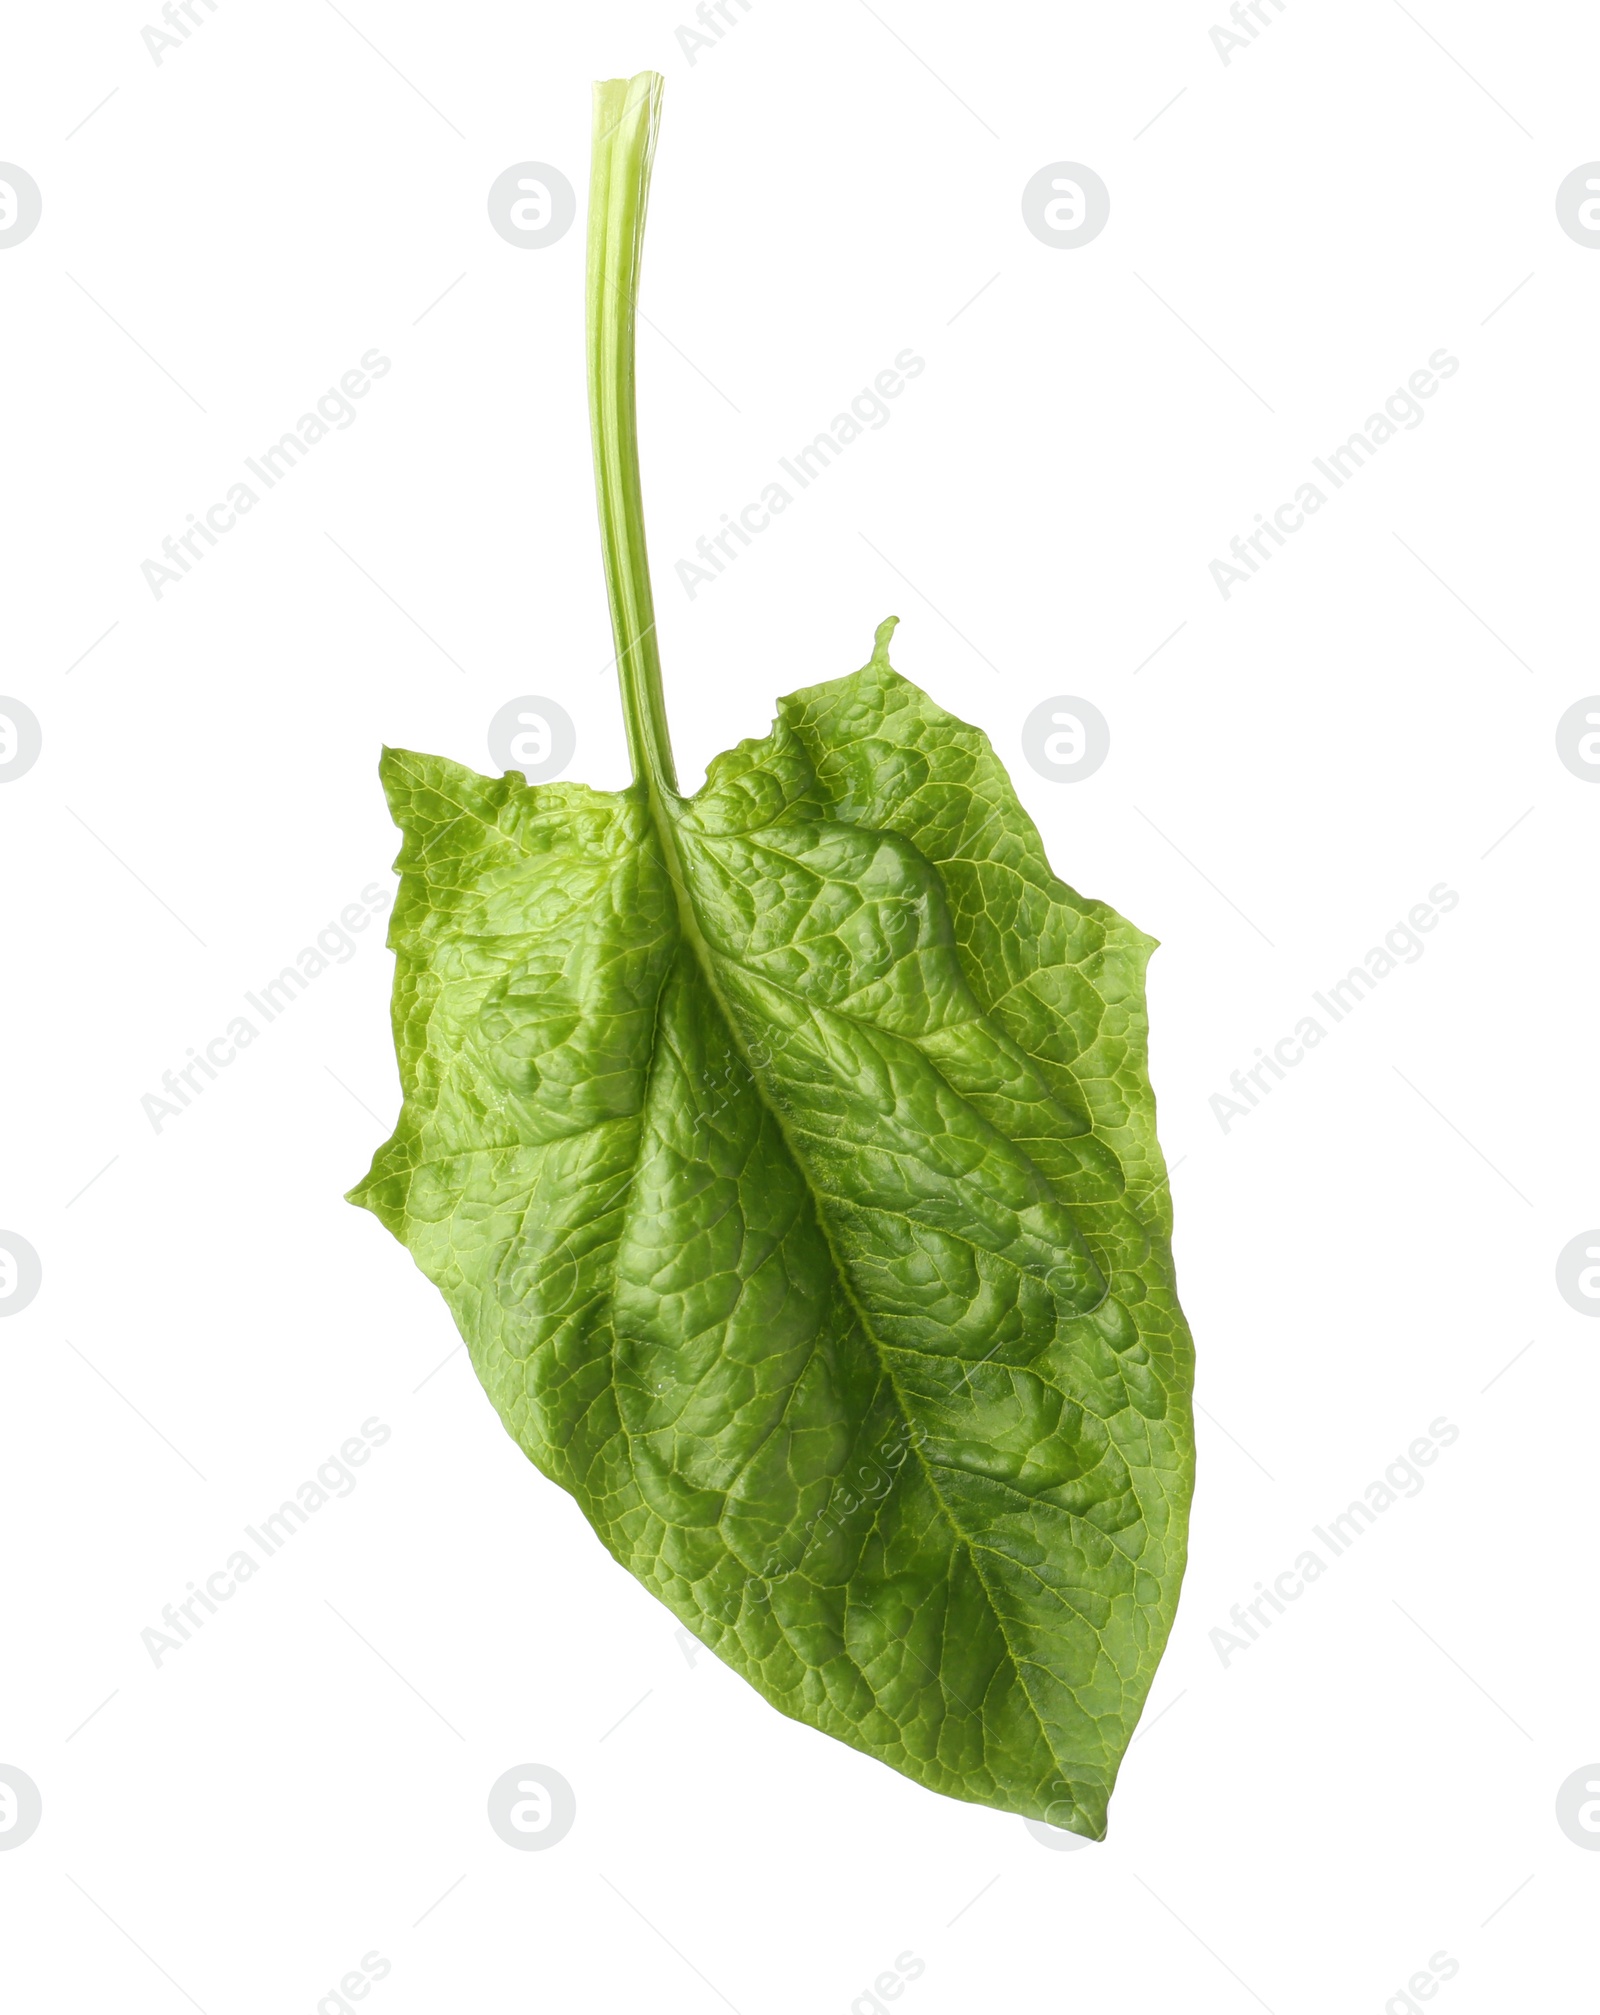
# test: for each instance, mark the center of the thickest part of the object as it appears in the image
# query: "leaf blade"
(837, 1360)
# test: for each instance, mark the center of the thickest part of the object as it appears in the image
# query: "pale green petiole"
(626, 114)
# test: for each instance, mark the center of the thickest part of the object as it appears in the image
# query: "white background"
(1371, 1783)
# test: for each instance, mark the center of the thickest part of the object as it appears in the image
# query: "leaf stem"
(626, 114)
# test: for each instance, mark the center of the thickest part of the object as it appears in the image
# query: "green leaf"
(787, 1157)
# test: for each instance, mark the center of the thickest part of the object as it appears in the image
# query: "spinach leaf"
(786, 1155)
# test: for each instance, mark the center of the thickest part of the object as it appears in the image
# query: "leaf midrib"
(662, 820)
